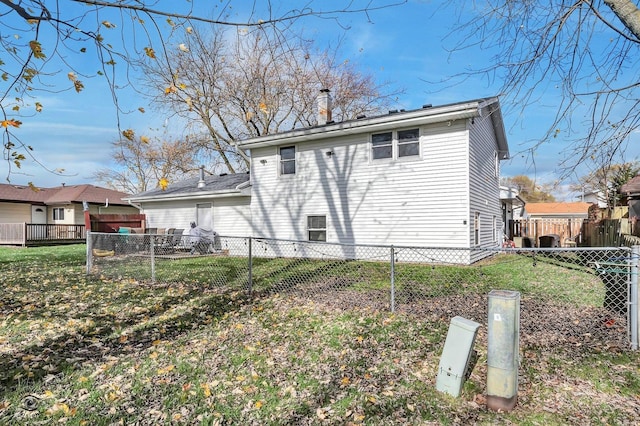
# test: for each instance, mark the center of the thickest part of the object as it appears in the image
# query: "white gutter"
(243, 185)
(131, 203)
(391, 121)
(190, 196)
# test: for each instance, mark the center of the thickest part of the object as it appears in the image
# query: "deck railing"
(34, 234)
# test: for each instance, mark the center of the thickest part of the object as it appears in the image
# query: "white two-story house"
(427, 177)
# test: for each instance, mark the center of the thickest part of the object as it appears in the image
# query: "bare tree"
(42, 39)
(143, 163)
(607, 180)
(529, 190)
(584, 52)
(255, 82)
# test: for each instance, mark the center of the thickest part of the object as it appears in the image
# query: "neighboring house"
(512, 206)
(594, 197)
(62, 205)
(427, 177)
(631, 190)
(577, 210)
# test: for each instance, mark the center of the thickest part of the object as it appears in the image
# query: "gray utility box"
(456, 356)
(503, 343)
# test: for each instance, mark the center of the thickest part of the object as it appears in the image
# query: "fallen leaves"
(175, 353)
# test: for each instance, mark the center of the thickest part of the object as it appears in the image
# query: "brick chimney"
(324, 107)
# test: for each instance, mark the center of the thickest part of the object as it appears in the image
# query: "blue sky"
(401, 45)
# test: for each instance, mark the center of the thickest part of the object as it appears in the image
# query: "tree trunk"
(628, 13)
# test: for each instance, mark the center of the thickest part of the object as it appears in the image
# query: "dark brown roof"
(61, 194)
(631, 187)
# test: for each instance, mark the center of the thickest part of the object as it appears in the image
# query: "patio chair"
(172, 240)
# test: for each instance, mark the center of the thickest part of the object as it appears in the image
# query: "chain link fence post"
(393, 280)
(633, 299)
(250, 278)
(89, 253)
(152, 250)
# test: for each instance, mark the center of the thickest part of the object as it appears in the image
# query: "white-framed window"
(408, 142)
(287, 160)
(395, 144)
(382, 145)
(496, 164)
(317, 228)
(476, 228)
(58, 213)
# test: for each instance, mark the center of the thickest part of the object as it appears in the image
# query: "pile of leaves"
(85, 351)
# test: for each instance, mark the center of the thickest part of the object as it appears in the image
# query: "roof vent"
(393, 111)
(201, 182)
(361, 116)
(427, 106)
(222, 174)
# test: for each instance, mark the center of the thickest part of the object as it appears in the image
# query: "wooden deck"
(33, 234)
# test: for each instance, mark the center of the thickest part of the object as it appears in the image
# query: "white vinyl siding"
(484, 185)
(231, 215)
(15, 213)
(423, 202)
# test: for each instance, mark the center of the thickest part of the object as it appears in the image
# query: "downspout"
(106, 205)
(241, 152)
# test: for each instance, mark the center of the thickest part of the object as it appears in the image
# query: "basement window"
(317, 228)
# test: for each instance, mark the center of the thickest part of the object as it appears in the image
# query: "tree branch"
(293, 15)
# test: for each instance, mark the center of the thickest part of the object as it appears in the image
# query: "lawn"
(94, 350)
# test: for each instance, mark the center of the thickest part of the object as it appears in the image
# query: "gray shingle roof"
(213, 184)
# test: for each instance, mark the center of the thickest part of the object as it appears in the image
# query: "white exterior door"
(38, 214)
(204, 215)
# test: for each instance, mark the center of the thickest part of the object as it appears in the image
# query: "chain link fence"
(572, 296)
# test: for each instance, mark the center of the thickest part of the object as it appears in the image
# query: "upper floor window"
(408, 142)
(382, 145)
(288, 160)
(402, 143)
(58, 213)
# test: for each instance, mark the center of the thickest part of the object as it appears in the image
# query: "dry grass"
(96, 351)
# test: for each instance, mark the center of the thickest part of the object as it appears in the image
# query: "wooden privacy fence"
(611, 233)
(584, 233)
(569, 230)
(113, 222)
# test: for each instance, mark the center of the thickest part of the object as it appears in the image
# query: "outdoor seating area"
(166, 242)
